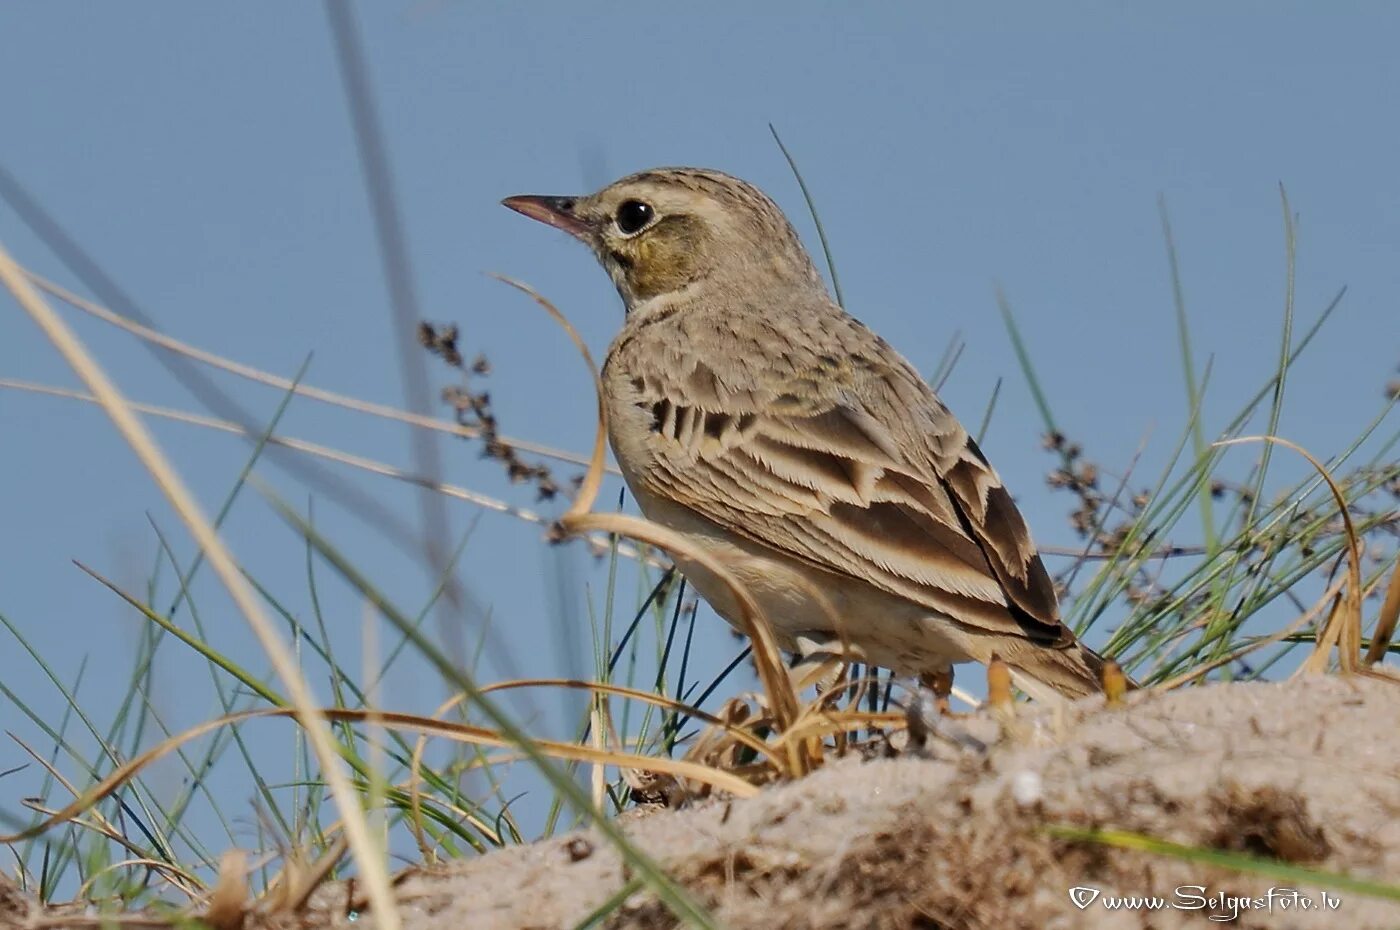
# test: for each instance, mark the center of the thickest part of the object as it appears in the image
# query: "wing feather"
(860, 471)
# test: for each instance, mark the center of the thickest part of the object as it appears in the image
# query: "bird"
(784, 439)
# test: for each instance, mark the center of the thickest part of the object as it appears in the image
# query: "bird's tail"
(1073, 671)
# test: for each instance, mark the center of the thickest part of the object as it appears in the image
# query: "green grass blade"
(681, 903)
(1193, 393)
(1240, 862)
(816, 217)
(1023, 357)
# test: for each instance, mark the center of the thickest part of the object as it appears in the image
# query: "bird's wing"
(859, 470)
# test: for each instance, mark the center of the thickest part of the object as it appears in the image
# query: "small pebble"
(1027, 789)
(579, 849)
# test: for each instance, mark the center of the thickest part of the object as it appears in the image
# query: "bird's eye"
(632, 216)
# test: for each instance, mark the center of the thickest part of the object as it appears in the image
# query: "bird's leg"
(941, 684)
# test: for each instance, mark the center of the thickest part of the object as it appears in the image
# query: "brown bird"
(752, 414)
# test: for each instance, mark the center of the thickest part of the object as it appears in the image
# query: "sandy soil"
(1305, 771)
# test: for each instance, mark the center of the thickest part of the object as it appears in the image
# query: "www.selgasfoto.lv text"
(1217, 905)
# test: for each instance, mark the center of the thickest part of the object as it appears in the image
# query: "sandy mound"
(1303, 771)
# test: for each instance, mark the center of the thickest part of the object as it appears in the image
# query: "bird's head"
(662, 231)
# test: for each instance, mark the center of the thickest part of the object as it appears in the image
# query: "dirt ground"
(1304, 771)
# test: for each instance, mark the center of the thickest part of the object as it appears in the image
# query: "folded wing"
(860, 471)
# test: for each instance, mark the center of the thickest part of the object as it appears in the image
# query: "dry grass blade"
(1330, 600)
(767, 657)
(819, 718)
(588, 493)
(578, 520)
(383, 411)
(844, 722)
(738, 733)
(415, 790)
(636, 694)
(597, 462)
(103, 921)
(133, 430)
(600, 725)
(1343, 628)
(409, 723)
(483, 736)
(178, 877)
(100, 824)
(373, 466)
(95, 824)
(228, 904)
(293, 891)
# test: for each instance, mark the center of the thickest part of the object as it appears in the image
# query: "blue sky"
(204, 156)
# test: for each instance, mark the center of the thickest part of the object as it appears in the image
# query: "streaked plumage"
(750, 412)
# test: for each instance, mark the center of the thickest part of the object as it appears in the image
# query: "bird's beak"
(555, 211)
